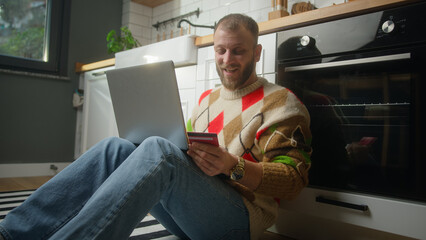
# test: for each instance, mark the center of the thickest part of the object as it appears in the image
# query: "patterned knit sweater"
(263, 123)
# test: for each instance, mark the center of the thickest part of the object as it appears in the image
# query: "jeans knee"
(159, 145)
(155, 140)
(116, 143)
(154, 143)
(113, 140)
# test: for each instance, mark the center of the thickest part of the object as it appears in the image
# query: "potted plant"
(117, 43)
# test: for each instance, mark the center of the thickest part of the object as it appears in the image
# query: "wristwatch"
(237, 172)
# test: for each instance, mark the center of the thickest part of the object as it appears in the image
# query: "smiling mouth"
(230, 69)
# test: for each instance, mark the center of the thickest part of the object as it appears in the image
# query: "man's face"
(236, 56)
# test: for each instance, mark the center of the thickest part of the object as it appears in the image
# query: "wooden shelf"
(82, 67)
(151, 3)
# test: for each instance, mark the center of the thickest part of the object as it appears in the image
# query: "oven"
(362, 80)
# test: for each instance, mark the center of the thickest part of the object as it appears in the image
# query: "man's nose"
(228, 57)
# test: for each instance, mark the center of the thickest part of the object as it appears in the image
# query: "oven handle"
(359, 207)
(402, 56)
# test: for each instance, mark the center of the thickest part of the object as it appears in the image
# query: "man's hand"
(212, 160)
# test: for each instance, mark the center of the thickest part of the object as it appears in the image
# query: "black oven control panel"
(402, 25)
(394, 24)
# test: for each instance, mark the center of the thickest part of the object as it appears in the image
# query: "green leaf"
(123, 42)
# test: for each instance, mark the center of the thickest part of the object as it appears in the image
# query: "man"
(228, 193)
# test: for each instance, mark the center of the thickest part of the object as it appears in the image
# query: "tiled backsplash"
(140, 18)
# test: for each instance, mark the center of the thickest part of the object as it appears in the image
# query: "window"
(31, 34)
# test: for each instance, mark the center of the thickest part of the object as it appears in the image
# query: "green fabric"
(285, 160)
(273, 128)
(189, 126)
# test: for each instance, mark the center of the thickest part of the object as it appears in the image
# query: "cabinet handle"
(359, 207)
(97, 74)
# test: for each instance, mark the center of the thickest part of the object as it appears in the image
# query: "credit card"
(210, 138)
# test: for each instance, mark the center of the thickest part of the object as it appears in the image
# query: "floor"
(30, 183)
(22, 183)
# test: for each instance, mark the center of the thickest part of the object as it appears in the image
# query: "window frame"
(56, 31)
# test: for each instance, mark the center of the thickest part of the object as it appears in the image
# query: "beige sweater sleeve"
(281, 181)
(286, 159)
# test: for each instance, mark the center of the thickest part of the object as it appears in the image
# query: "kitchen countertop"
(351, 8)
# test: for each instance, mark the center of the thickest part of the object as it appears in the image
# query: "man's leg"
(167, 221)
(60, 199)
(159, 172)
(205, 208)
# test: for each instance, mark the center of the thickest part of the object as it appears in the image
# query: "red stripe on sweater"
(252, 98)
(203, 95)
(258, 134)
(216, 125)
(249, 157)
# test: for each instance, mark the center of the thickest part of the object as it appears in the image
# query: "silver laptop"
(146, 103)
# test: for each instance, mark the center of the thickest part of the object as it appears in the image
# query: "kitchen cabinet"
(96, 120)
(208, 78)
(186, 83)
(266, 65)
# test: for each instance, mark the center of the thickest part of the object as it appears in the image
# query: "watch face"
(237, 174)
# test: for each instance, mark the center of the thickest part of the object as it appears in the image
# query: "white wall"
(140, 18)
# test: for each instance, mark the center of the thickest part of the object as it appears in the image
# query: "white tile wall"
(140, 18)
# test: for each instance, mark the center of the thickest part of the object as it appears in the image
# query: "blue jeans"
(107, 191)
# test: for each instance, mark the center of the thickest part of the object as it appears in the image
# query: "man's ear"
(258, 52)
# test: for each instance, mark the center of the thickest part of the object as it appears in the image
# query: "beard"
(235, 82)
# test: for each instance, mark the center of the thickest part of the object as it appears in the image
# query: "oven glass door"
(365, 120)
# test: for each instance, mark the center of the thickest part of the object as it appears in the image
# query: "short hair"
(235, 20)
